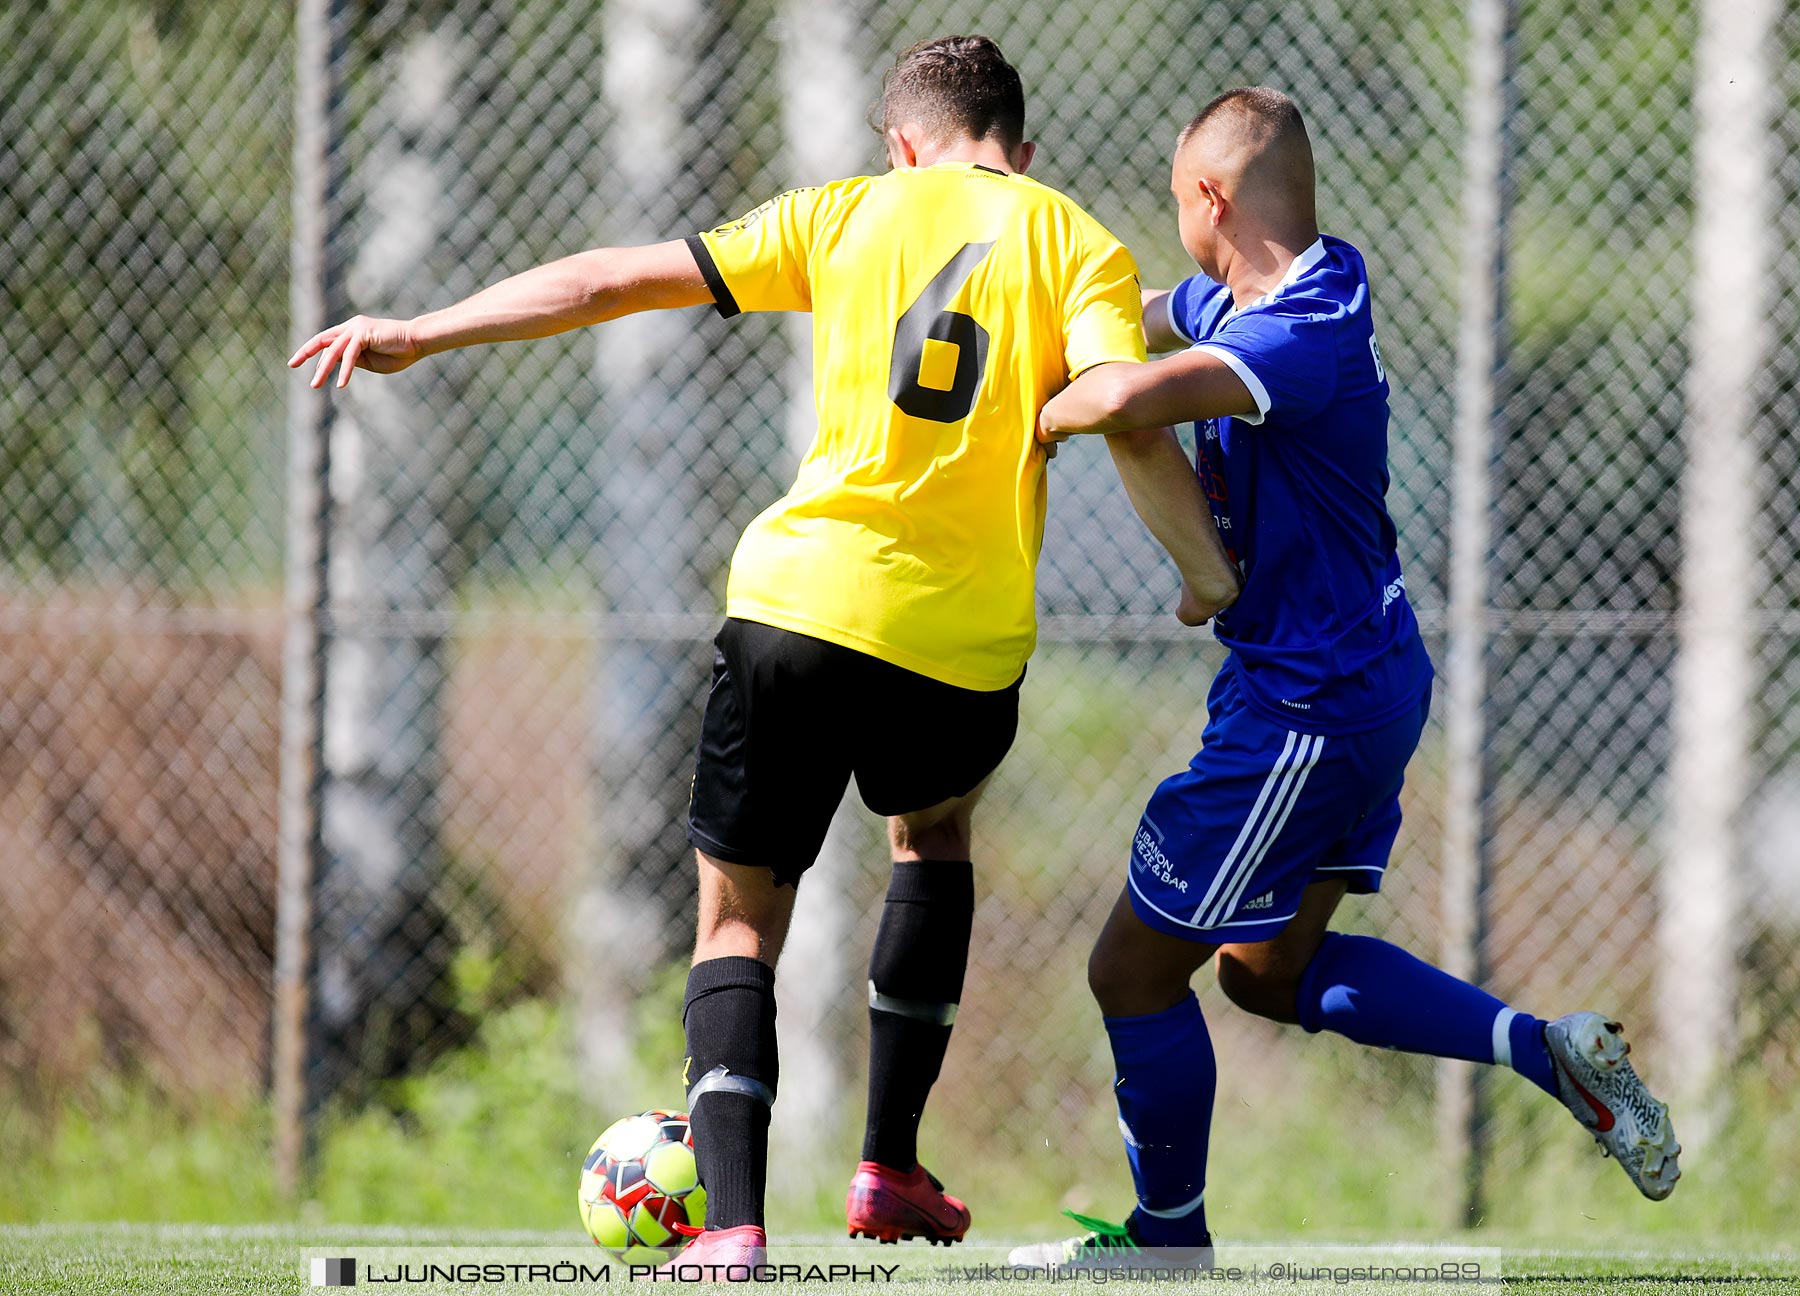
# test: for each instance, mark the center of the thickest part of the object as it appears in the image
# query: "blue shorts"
(1226, 846)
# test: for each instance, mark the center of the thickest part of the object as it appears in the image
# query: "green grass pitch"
(78, 1259)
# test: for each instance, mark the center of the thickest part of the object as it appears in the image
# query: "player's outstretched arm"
(1121, 397)
(587, 288)
(1166, 493)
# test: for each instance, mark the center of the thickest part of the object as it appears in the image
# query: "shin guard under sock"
(730, 1076)
(915, 982)
(1164, 1086)
(1376, 993)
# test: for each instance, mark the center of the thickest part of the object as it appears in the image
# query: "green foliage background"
(492, 1136)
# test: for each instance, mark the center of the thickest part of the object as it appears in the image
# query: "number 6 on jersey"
(929, 319)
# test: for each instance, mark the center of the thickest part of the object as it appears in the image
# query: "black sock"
(730, 1076)
(915, 982)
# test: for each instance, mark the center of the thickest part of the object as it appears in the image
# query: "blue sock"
(1164, 1088)
(1376, 993)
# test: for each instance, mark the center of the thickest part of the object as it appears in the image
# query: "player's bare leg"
(1264, 977)
(743, 914)
(732, 1071)
(915, 984)
(940, 832)
(1135, 969)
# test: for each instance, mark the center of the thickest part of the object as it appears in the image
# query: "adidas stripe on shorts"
(1226, 846)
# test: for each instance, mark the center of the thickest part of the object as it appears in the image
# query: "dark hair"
(955, 86)
(1258, 109)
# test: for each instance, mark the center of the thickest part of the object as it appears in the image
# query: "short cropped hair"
(1256, 111)
(956, 86)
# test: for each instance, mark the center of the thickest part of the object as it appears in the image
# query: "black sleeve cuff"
(723, 301)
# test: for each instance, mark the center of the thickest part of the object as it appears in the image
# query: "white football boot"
(1602, 1092)
(1109, 1248)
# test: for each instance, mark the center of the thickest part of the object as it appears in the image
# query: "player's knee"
(1237, 980)
(1265, 988)
(1125, 985)
(948, 838)
(1108, 977)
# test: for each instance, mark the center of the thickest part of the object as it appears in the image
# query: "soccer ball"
(639, 1181)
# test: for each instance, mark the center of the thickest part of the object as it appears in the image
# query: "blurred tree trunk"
(401, 456)
(826, 82)
(662, 71)
(1701, 921)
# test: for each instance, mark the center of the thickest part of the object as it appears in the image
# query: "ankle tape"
(719, 1080)
(938, 1014)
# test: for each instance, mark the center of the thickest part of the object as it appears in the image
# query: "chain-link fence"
(519, 552)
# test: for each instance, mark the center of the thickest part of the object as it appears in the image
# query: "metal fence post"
(315, 290)
(1481, 357)
(1709, 764)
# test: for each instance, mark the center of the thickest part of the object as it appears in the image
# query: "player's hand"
(1189, 611)
(378, 345)
(1049, 438)
(1193, 610)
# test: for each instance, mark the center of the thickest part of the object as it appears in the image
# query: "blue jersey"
(1322, 637)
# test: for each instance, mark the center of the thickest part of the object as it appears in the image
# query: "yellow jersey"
(948, 303)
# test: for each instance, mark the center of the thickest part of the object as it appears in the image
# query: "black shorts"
(790, 718)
